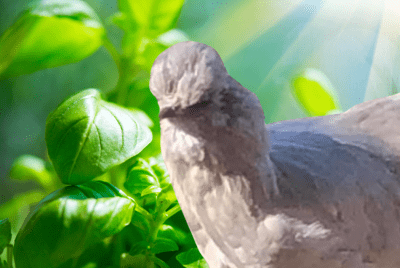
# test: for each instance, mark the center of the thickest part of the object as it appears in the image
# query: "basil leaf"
(315, 94)
(142, 117)
(152, 189)
(62, 229)
(140, 177)
(164, 245)
(154, 16)
(86, 136)
(51, 33)
(91, 189)
(192, 259)
(158, 166)
(181, 238)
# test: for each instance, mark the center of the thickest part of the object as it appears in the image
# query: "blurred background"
(263, 44)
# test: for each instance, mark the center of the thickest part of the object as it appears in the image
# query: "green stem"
(144, 212)
(128, 71)
(157, 222)
(159, 262)
(10, 255)
(160, 218)
(74, 262)
(175, 209)
(113, 52)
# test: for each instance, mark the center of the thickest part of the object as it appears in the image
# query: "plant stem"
(10, 256)
(175, 209)
(159, 262)
(155, 225)
(113, 52)
(74, 262)
(160, 218)
(144, 212)
(128, 71)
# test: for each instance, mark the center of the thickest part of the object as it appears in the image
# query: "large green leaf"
(90, 189)
(315, 93)
(86, 136)
(142, 117)
(50, 33)
(143, 21)
(68, 221)
(64, 228)
(164, 245)
(155, 16)
(95, 256)
(180, 237)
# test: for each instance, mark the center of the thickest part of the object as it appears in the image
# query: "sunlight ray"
(323, 22)
(384, 76)
(239, 24)
(259, 57)
(347, 58)
(300, 51)
(325, 31)
(268, 15)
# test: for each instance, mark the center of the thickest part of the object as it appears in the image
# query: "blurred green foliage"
(45, 36)
(314, 92)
